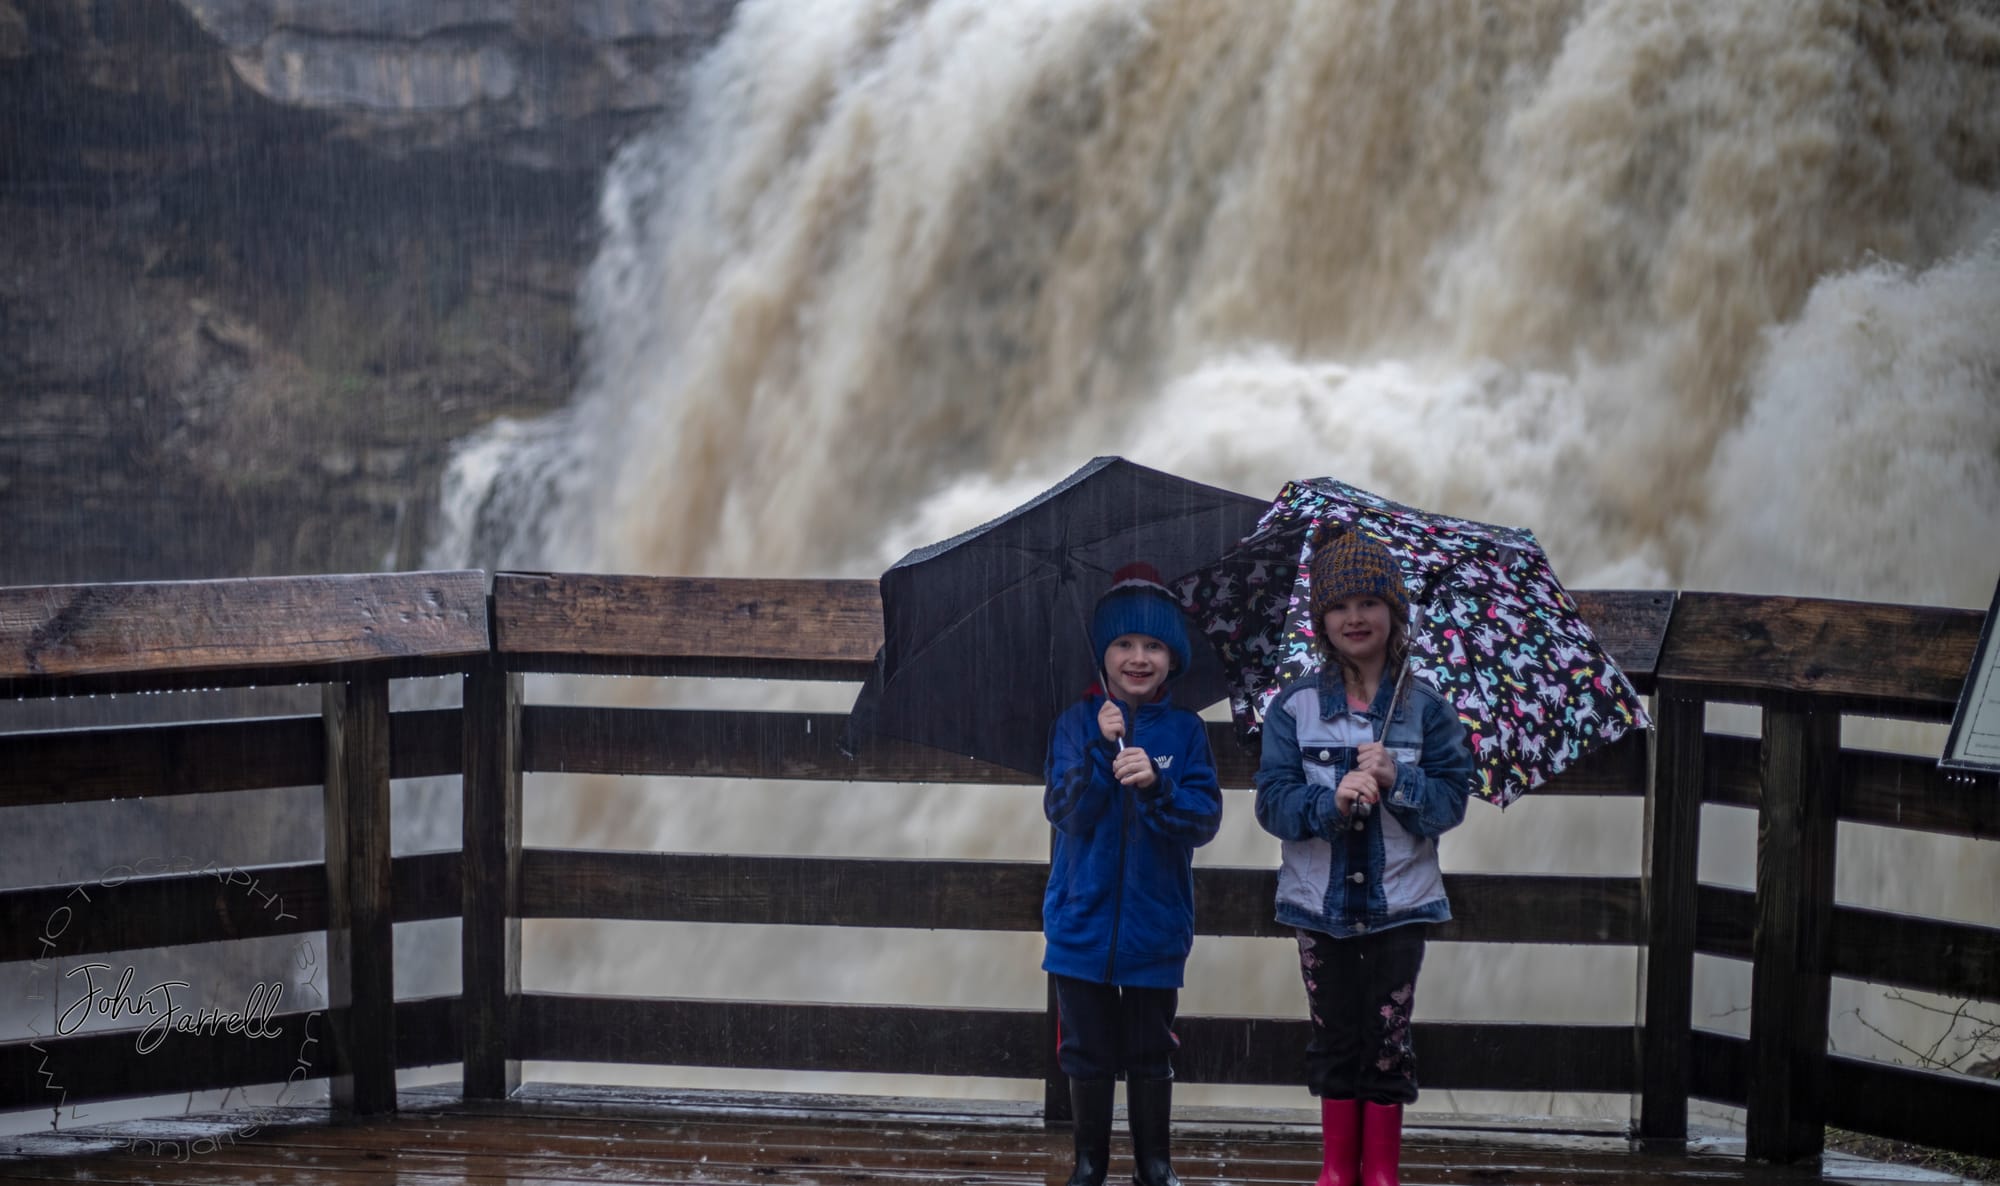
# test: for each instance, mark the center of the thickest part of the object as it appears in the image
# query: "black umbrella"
(986, 636)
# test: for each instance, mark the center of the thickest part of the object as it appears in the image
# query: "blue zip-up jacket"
(1344, 876)
(1119, 908)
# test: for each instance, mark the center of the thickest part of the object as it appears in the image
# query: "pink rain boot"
(1340, 1135)
(1381, 1144)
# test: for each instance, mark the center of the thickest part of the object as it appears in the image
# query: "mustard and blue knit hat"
(1349, 563)
(1138, 602)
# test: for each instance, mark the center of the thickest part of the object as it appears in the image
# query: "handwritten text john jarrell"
(253, 1020)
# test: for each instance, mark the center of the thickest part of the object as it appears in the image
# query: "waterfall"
(1704, 292)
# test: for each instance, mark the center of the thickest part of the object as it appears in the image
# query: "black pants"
(1361, 992)
(1103, 1029)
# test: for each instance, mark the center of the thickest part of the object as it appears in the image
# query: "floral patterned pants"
(1360, 992)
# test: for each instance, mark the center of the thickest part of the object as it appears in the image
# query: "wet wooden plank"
(106, 1065)
(1459, 1056)
(861, 1038)
(1542, 908)
(1900, 660)
(795, 891)
(1877, 1098)
(1882, 947)
(530, 1149)
(65, 639)
(127, 909)
(1790, 982)
(1672, 888)
(1896, 791)
(1631, 625)
(1721, 1067)
(1907, 1104)
(1007, 1043)
(1886, 790)
(637, 1152)
(797, 629)
(816, 629)
(699, 743)
(1725, 921)
(1621, 768)
(86, 765)
(1007, 895)
(360, 919)
(490, 950)
(1950, 958)
(554, 1134)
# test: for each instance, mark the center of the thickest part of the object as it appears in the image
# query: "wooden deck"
(549, 1135)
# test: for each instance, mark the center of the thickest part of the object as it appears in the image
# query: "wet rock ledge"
(265, 259)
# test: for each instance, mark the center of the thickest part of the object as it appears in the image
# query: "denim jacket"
(1345, 876)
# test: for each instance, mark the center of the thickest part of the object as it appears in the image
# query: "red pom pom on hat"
(1137, 572)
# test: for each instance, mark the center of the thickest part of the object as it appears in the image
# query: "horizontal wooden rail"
(1904, 1103)
(1857, 656)
(1631, 626)
(105, 1065)
(711, 743)
(1007, 1043)
(867, 1039)
(1007, 896)
(70, 639)
(201, 905)
(1933, 1108)
(816, 629)
(1907, 951)
(1454, 1055)
(1887, 790)
(1898, 791)
(150, 761)
(630, 625)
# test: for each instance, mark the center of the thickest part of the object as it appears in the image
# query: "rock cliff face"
(265, 259)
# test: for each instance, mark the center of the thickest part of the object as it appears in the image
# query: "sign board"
(1974, 744)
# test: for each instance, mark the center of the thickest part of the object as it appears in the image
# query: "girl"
(1362, 770)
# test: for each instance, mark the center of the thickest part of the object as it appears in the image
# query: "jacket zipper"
(1118, 895)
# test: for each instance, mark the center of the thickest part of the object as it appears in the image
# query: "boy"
(1131, 792)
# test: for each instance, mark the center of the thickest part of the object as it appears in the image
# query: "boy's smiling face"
(1136, 665)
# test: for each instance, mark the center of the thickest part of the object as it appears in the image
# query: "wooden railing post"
(1790, 981)
(490, 949)
(360, 924)
(1673, 842)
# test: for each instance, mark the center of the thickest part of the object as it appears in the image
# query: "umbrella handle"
(1104, 681)
(1363, 810)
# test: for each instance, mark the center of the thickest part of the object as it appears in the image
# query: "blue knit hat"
(1138, 603)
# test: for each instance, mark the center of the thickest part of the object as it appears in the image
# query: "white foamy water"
(1705, 294)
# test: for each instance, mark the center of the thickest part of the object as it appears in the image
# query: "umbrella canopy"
(986, 636)
(1490, 627)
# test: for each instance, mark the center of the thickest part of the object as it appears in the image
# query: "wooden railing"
(1803, 662)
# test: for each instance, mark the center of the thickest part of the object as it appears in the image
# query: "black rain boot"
(1149, 1105)
(1090, 1102)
